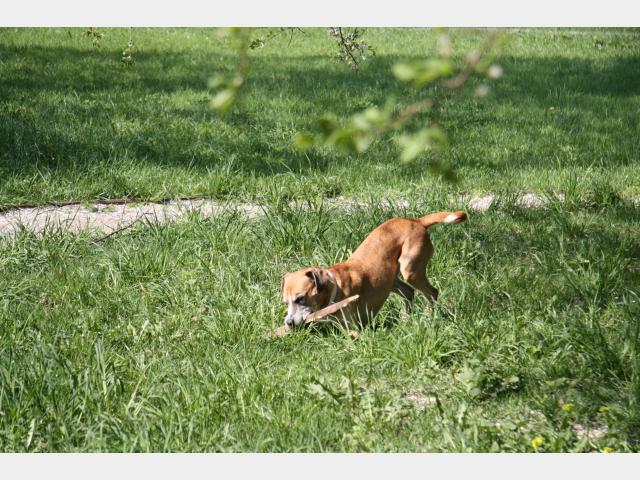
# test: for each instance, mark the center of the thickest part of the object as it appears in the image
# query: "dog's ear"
(282, 282)
(320, 278)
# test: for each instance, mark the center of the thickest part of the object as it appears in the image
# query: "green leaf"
(216, 82)
(421, 72)
(411, 147)
(414, 144)
(361, 122)
(362, 142)
(375, 115)
(404, 72)
(343, 139)
(327, 125)
(303, 141)
(223, 100)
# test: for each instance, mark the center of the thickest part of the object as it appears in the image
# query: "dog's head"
(304, 291)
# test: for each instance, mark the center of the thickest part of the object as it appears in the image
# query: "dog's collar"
(334, 290)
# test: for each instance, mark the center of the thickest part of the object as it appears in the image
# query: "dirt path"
(106, 219)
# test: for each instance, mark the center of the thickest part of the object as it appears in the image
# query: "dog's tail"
(442, 217)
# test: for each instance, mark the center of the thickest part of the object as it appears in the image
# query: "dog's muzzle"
(296, 316)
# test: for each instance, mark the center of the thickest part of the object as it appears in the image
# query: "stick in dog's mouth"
(330, 309)
(323, 312)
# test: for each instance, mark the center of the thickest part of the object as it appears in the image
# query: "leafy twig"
(94, 34)
(260, 42)
(127, 53)
(350, 45)
(229, 88)
(364, 127)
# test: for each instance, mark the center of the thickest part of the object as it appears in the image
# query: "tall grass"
(159, 340)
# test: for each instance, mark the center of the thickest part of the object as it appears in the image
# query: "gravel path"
(106, 219)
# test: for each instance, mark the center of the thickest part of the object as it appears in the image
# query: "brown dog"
(398, 245)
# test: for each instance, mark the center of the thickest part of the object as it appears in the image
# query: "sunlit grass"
(77, 124)
(158, 339)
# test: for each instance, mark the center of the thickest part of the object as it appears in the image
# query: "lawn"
(75, 123)
(158, 339)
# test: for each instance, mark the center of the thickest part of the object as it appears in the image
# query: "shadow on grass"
(283, 95)
(68, 69)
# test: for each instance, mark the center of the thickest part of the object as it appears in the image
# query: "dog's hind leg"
(417, 278)
(406, 292)
(413, 265)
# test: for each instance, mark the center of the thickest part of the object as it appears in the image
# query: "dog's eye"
(299, 299)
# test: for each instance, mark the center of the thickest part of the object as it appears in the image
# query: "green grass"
(77, 124)
(158, 339)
